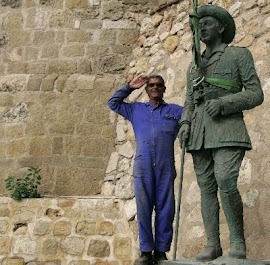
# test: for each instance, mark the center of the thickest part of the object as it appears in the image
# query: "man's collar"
(220, 48)
(149, 103)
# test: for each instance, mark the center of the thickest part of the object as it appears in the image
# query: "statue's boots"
(233, 209)
(237, 250)
(210, 215)
(146, 258)
(209, 253)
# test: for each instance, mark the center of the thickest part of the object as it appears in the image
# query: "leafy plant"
(26, 187)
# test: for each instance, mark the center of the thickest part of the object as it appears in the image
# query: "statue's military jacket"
(228, 128)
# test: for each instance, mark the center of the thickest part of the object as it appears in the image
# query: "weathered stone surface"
(62, 228)
(73, 245)
(106, 228)
(122, 248)
(124, 187)
(50, 246)
(99, 248)
(42, 228)
(86, 228)
(13, 261)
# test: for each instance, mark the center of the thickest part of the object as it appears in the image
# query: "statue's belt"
(230, 85)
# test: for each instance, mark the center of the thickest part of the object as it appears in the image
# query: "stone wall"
(60, 62)
(66, 231)
(164, 47)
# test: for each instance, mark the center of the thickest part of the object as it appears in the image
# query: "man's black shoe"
(146, 258)
(159, 256)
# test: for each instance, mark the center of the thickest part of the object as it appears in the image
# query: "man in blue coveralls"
(155, 126)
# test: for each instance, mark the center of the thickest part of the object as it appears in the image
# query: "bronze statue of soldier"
(213, 126)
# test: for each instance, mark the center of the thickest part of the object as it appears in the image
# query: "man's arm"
(116, 102)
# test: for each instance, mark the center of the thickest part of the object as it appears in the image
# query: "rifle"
(196, 50)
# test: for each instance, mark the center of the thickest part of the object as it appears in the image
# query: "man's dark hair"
(156, 76)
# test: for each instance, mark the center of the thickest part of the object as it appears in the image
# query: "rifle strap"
(231, 85)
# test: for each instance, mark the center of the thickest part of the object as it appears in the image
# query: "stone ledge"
(219, 261)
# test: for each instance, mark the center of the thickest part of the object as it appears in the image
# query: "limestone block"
(78, 36)
(112, 165)
(112, 10)
(124, 164)
(17, 68)
(60, 82)
(126, 150)
(62, 228)
(121, 24)
(248, 15)
(14, 130)
(124, 188)
(130, 209)
(13, 261)
(41, 228)
(79, 262)
(108, 189)
(84, 66)
(85, 82)
(122, 248)
(107, 36)
(23, 215)
(235, 9)
(16, 148)
(99, 248)
(4, 245)
(250, 198)
(142, 65)
(34, 83)
(76, 4)
(147, 27)
(73, 245)
(50, 52)
(86, 228)
(14, 21)
(47, 83)
(42, 38)
(157, 19)
(105, 228)
(73, 50)
(4, 224)
(62, 67)
(128, 37)
(57, 146)
(19, 38)
(37, 68)
(25, 245)
(171, 43)
(112, 64)
(40, 146)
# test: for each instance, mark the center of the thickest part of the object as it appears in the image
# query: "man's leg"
(164, 208)
(204, 168)
(144, 194)
(227, 164)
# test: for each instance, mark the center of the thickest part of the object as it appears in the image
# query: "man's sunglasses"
(155, 84)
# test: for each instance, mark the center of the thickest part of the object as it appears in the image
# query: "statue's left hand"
(213, 107)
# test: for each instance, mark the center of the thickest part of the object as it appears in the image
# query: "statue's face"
(210, 29)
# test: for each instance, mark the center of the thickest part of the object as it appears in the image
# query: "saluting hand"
(138, 81)
(213, 107)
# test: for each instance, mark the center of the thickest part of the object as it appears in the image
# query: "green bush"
(26, 187)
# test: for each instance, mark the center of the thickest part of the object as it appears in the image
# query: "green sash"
(231, 85)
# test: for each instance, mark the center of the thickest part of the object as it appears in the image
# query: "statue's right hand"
(184, 133)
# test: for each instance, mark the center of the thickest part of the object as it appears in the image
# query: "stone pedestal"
(219, 261)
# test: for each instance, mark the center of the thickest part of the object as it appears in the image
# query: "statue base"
(218, 261)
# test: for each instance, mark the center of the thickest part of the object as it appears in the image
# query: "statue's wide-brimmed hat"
(223, 16)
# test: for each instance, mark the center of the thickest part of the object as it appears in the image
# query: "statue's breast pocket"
(223, 73)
